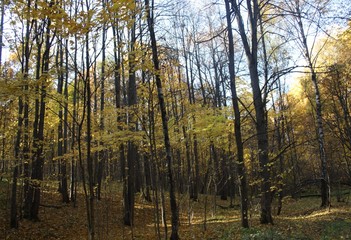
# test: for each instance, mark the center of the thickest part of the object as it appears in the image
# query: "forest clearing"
(301, 218)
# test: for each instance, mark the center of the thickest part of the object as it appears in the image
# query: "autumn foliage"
(148, 120)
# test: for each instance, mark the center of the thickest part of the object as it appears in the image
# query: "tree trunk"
(61, 141)
(13, 213)
(197, 169)
(325, 185)
(132, 122)
(32, 198)
(103, 153)
(173, 202)
(259, 104)
(89, 193)
(75, 117)
(64, 184)
(22, 108)
(38, 164)
(198, 65)
(90, 164)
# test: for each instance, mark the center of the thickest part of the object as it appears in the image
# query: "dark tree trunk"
(197, 170)
(188, 161)
(38, 163)
(224, 177)
(217, 92)
(131, 148)
(259, 104)
(22, 107)
(74, 124)
(64, 184)
(32, 198)
(90, 163)
(198, 65)
(173, 202)
(103, 152)
(62, 135)
(13, 214)
(118, 89)
(130, 185)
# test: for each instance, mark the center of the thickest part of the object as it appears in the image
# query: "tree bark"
(64, 184)
(325, 185)
(173, 202)
(103, 153)
(13, 213)
(259, 104)
(32, 199)
(132, 122)
(62, 135)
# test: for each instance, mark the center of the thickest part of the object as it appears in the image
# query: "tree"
(305, 14)
(43, 40)
(62, 127)
(237, 122)
(174, 208)
(334, 84)
(129, 185)
(261, 124)
(22, 109)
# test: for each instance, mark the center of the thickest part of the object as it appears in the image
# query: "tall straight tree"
(64, 185)
(22, 109)
(75, 125)
(250, 43)
(65, 70)
(309, 13)
(62, 128)
(129, 181)
(44, 38)
(237, 121)
(173, 201)
(90, 164)
(102, 153)
(118, 79)
(87, 178)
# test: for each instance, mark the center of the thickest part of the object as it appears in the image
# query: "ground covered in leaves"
(300, 219)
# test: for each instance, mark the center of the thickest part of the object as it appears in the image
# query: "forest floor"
(300, 219)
